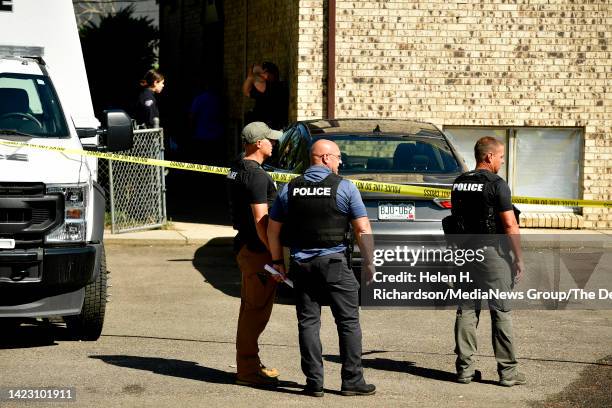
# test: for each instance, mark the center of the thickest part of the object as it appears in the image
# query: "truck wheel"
(88, 324)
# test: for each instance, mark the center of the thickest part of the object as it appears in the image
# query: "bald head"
(327, 153)
(322, 147)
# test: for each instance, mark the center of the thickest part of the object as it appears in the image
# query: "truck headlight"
(74, 227)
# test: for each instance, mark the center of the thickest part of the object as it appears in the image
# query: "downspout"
(331, 59)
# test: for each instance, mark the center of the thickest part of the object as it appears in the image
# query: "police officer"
(251, 192)
(147, 113)
(313, 212)
(481, 205)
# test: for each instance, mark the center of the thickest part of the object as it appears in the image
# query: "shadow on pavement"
(408, 367)
(552, 360)
(32, 333)
(185, 369)
(170, 367)
(26, 337)
(216, 262)
(185, 206)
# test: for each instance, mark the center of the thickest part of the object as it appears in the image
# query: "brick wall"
(311, 64)
(495, 63)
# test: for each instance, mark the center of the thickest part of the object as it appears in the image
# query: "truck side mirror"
(117, 133)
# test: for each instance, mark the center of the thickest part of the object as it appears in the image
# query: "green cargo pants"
(493, 273)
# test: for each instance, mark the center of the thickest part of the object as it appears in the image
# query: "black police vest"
(471, 203)
(314, 220)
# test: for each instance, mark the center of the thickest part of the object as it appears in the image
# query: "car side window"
(293, 151)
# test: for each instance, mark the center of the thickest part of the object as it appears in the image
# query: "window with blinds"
(540, 162)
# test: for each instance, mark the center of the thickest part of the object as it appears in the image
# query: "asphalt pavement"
(169, 335)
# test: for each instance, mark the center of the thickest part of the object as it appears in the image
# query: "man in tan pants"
(251, 192)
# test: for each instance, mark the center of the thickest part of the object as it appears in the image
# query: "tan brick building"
(535, 73)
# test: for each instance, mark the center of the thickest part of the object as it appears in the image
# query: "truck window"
(29, 104)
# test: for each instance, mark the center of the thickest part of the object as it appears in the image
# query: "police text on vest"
(467, 187)
(312, 191)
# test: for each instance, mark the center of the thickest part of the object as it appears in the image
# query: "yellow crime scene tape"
(367, 186)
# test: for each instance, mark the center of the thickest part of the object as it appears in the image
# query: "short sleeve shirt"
(500, 195)
(249, 184)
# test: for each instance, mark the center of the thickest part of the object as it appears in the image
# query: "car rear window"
(395, 154)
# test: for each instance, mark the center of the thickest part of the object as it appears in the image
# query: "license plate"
(396, 211)
(7, 244)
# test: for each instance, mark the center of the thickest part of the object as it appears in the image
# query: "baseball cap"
(257, 131)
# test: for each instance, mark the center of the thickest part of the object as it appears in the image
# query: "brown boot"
(268, 372)
(256, 379)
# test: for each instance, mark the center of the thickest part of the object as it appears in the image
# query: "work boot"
(257, 379)
(313, 390)
(268, 372)
(463, 379)
(515, 379)
(362, 389)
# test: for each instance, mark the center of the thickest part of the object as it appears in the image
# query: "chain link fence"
(135, 193)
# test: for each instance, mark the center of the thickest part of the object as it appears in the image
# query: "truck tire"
(88, 324)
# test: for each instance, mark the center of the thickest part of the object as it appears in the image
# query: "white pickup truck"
(52, 261)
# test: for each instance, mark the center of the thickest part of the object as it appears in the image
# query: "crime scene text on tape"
(366, 186)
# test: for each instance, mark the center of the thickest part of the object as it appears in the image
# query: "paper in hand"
(273, 271)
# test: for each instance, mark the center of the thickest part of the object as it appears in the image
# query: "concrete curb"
(178, 234)
(217, 235)
(148, 242)
(216, 241)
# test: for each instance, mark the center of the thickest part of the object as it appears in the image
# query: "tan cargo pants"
(257, 297)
